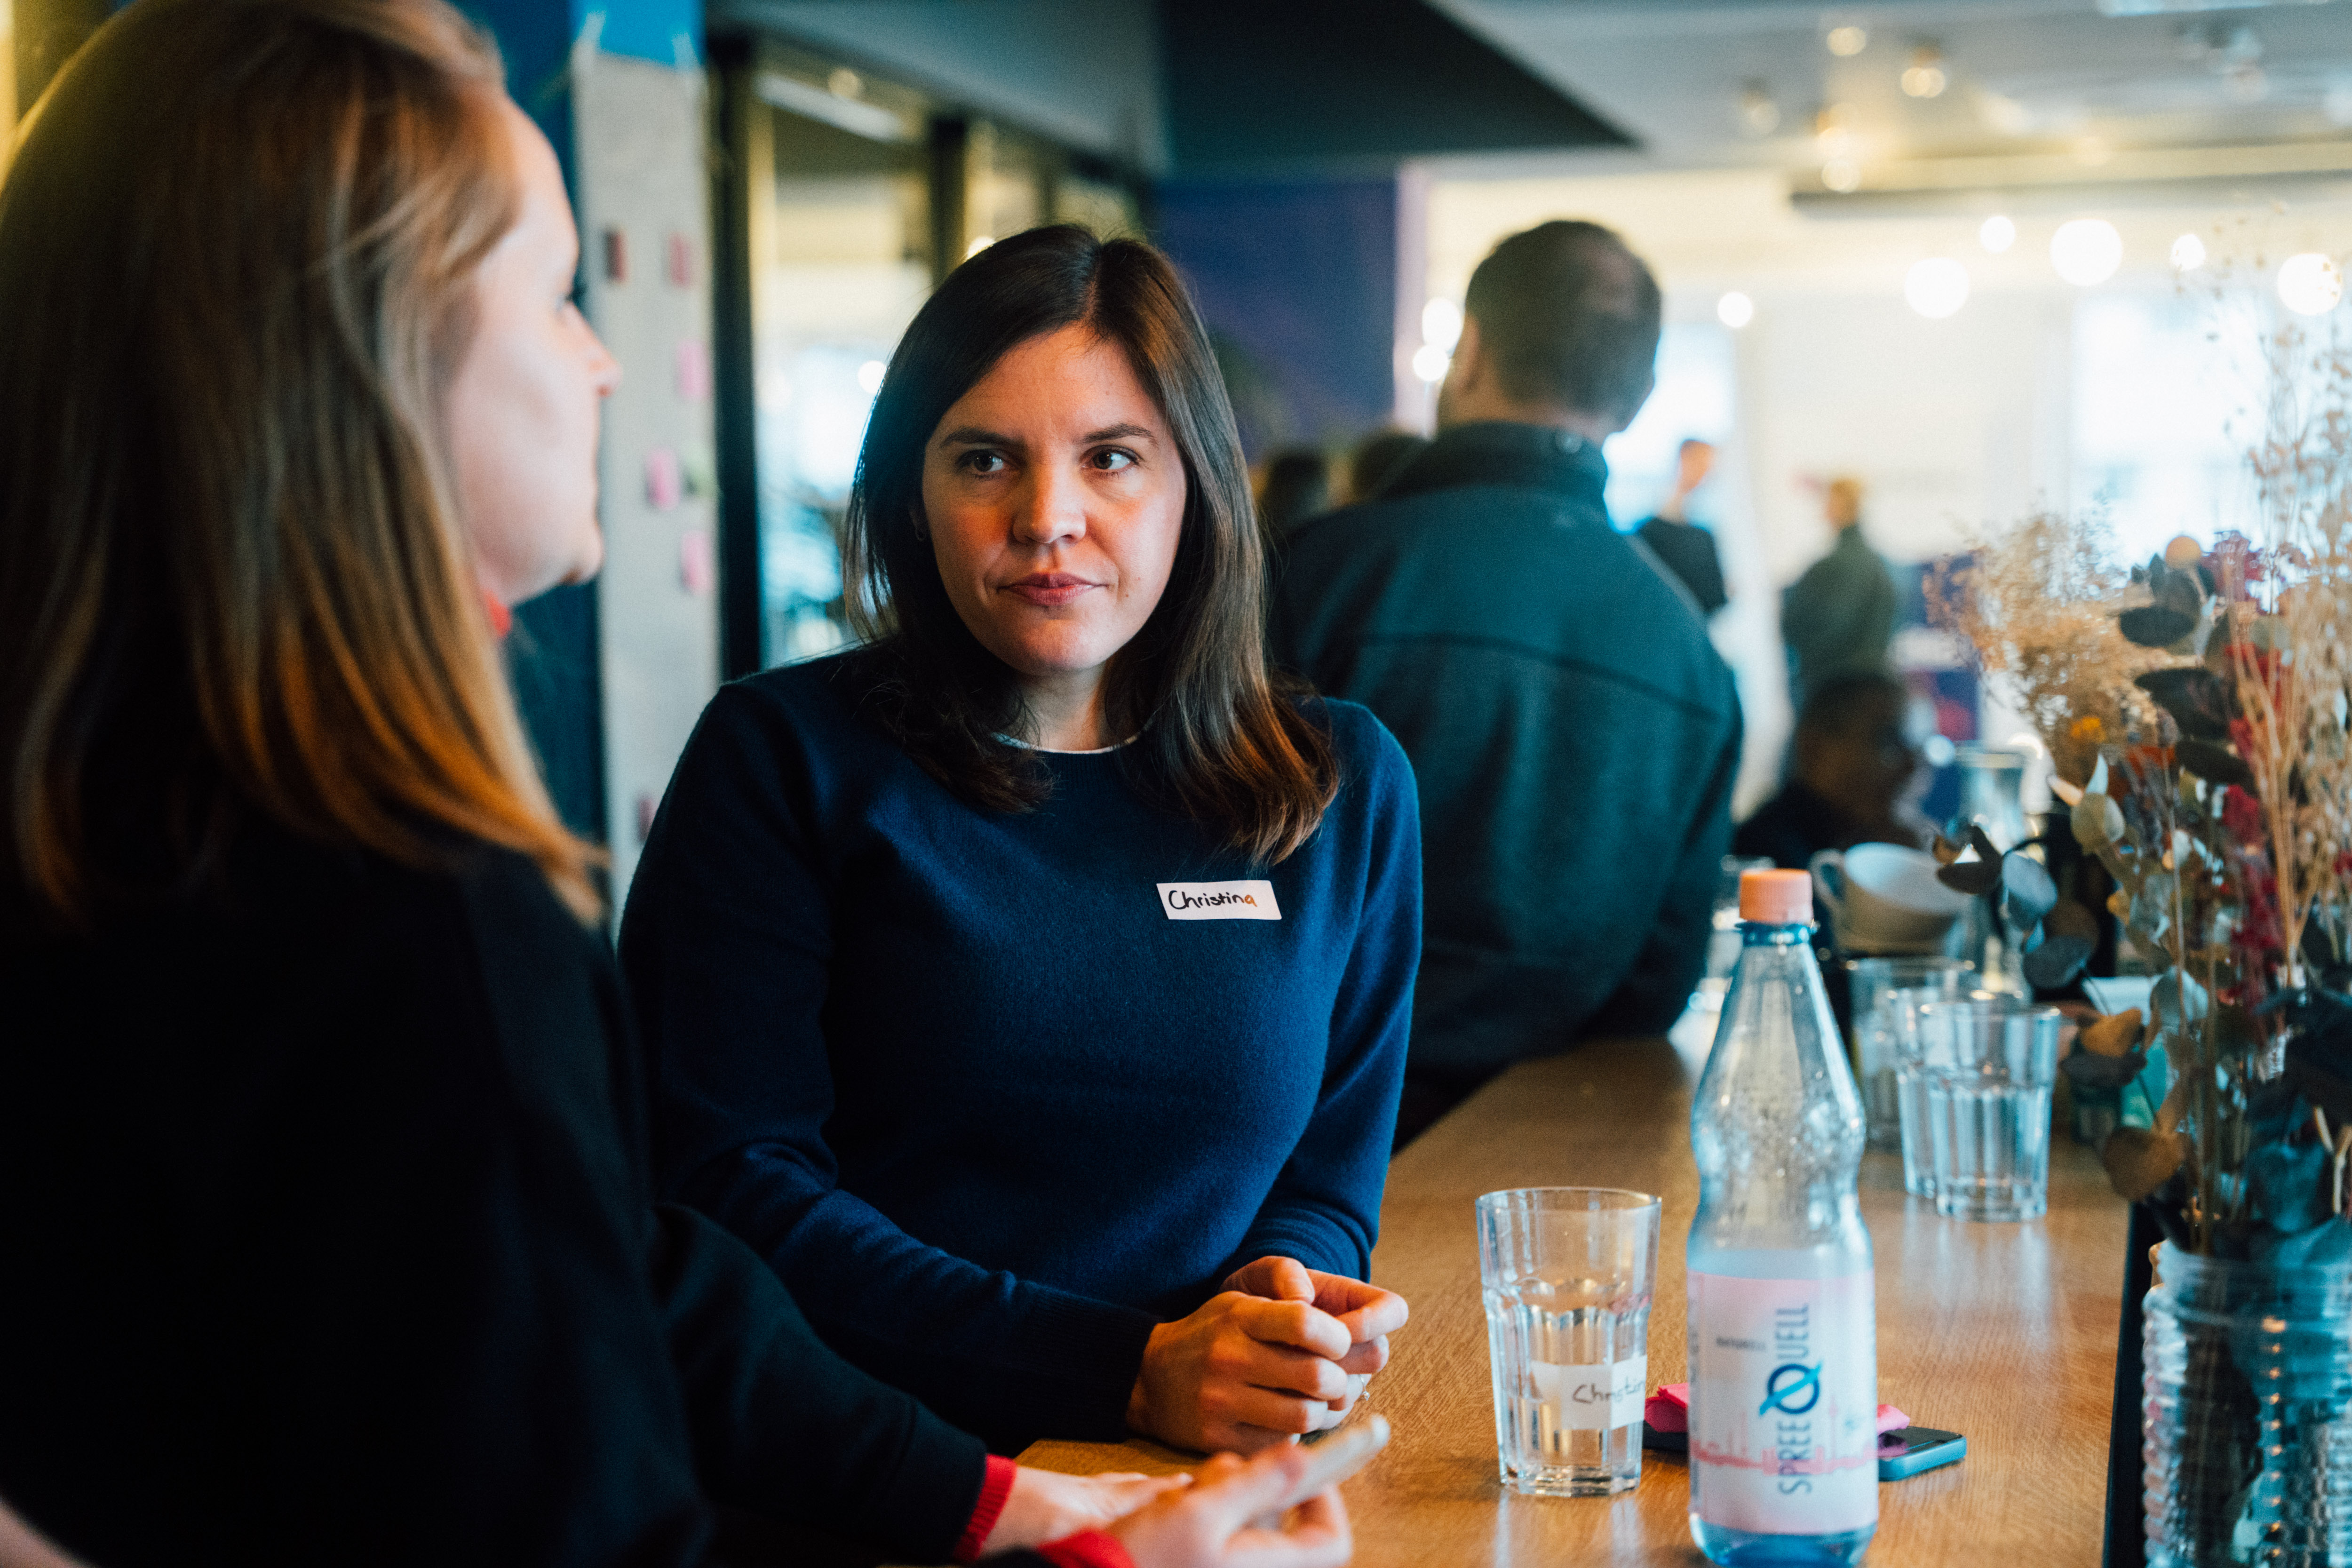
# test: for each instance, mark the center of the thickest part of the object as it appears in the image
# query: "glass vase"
(2246, 1437)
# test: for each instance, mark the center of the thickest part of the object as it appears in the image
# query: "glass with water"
(1567, 1274)
(1978, 1080)
(1880, 1014)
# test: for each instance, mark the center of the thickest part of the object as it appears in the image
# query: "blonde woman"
(327, 1227)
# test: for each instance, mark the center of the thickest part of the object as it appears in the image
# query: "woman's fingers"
(1275, 1279)
(1293, 1323)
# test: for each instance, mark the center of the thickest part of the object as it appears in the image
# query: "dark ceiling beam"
(1303, 86)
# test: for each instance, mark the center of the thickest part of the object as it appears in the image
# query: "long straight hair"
(1218, 741)
(237, 251)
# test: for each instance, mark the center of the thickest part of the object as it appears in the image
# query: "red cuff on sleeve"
(995, 1485)
(1088, 1549)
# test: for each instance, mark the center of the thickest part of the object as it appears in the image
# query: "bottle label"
(1784, 1404)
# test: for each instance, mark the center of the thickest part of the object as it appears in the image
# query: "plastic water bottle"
(1784, 1326)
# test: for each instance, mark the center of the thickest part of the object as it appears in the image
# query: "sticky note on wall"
(696, 569)
(694, 370)
(681, 261)
(664, 481)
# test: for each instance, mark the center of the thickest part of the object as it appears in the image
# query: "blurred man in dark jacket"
(1682, 546)
(1573, 732)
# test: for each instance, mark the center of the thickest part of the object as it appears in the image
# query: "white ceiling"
(2069, 93)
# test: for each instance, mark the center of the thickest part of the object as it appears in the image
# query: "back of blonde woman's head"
(238, 245)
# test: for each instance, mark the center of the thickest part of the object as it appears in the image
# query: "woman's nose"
(1052, 510)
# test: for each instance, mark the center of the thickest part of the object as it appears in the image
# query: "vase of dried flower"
(2247, 1380)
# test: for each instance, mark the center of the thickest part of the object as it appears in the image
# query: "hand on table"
(1208, 1525)
(1281, 1351)
(1046, 1505)
(1241, 1372)
(1369, 1313)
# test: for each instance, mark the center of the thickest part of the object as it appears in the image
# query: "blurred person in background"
(1030, 984)
(1378, 458)
(1682, 546)
(1296, 486)
(1854, 775)
(1573, 734)
(324, 1193)
(1839, 617)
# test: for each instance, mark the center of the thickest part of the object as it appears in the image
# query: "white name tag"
(1594, 1398)
(1219, 901)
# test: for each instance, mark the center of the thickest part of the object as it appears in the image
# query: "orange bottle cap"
(1777, 897)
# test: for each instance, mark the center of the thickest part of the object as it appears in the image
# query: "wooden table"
(2005, 1333)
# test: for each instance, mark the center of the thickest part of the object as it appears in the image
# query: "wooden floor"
(2003, 1333)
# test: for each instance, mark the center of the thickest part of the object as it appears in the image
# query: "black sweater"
(327, 1239)
(1573, 732)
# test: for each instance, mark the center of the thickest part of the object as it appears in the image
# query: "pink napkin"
(1669, 1411)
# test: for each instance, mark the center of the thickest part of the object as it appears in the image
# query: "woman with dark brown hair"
(327, 1228)
(1030, 984)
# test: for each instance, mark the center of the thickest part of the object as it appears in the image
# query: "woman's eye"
(1112, 459)
(984, 463)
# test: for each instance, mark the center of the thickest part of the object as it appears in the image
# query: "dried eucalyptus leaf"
(2287, 1184)
(2102, 1072)
(2196, 698)
(2140, 1160)
(2071, 919)
(2025, 883)
(1970, 876)
(2218, 763)
(2116, 1035)
(2322, 1088)
(2057, 960)
(2098, 821)
(2154, 626)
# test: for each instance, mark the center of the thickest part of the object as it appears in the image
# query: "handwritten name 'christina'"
(1180, 899)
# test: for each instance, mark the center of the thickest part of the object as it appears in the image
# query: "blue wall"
(1298, 282)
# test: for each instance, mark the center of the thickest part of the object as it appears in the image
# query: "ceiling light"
(1734, 309)
(1924, 77)
(2336, 103)
(1842, 176)
(979, 242)
(1759, 115)
(1997, 234)
(1429, 362)
(869, 376)
(1441, 324)
(1936, 287)
(1848, 41)
(2189, 253)
(2310, 284)
(2087, 251)
(845, 83)
(2004, 114)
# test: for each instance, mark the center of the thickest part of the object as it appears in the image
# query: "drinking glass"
(1879, 1016)
(1567, 1275)
(1723, 933)
(1982, 1068)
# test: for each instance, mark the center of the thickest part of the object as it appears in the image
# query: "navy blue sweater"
(988, 1107)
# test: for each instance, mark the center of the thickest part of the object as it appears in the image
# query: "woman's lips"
(1049, 588)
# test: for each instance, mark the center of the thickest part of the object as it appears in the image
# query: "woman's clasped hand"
(1282, 1350)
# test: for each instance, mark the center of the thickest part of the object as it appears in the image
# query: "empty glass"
(1567, 1275)
(1879, 1015)
(1723, 937)
(1976, 1077)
